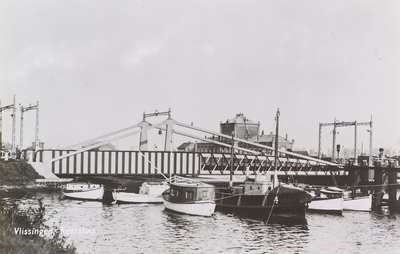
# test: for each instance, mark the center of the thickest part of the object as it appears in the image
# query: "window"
(205, 194)
(189, 195)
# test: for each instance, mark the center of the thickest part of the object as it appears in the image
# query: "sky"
(96, 66)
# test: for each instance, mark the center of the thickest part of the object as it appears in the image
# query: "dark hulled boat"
(255, 200)
(262, 198)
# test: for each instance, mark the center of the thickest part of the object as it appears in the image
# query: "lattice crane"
(11, 106)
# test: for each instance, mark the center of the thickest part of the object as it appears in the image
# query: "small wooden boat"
(149, 192)
(189, 197)
(85, 191)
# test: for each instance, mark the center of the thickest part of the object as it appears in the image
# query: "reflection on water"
(151, 229)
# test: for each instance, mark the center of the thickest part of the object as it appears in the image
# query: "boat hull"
(265, 212)
(127, 197)
(256, 207)
(326, 205)
(200, 208)
(362, 204)
(96, 194)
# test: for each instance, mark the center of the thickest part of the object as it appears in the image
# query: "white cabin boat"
(149, 192)
(85, 191)
(190, 197)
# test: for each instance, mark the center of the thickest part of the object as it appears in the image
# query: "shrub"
(12, 218)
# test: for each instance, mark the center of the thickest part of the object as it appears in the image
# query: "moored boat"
(85, 191)
(149, 192)
(257, 199)
(327, 200)
(327, 197)
(326, 205)
(263, 198)
(358, 203)
(189, 197)
(352, 201)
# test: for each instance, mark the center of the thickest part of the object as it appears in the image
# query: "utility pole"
(276, 148)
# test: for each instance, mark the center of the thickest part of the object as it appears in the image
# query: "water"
(133, 228)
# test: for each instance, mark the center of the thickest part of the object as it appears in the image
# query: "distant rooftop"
(240, 118)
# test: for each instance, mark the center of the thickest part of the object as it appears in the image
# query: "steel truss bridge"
(81, 159)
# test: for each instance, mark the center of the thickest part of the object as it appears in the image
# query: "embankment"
(17, 174)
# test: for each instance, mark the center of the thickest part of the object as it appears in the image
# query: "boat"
(149, 192)
(189, 196)
(263, 197)
(257, 199)
(327, 197)
(85, 191)
(324, 200)
(326, 205)
(352, 200)
(361, 203)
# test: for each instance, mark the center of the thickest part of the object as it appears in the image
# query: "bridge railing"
(171, 163)
(120, 162)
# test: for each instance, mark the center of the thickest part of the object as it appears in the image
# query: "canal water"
(94, 227)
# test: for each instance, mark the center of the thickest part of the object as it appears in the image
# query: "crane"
(11, 106)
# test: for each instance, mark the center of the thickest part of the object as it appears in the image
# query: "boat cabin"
(152, 188)
(186, 192)
(260, 185)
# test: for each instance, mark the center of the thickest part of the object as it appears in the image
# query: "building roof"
(269, 138)
(185, 145)
(239, 118)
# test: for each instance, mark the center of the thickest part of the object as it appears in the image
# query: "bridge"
(238, 155)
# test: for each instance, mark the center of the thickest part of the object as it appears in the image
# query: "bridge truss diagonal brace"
(89, 142)
(295, 155)
(106, 141)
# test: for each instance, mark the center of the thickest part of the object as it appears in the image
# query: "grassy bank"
(17, 173)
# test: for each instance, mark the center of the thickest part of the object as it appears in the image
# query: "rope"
(273, 203)
(153, 165)
(359, 186)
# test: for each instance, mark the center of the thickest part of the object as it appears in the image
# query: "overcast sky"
(96, 66)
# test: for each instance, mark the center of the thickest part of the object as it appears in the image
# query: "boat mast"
(276, 147)
(231, 172)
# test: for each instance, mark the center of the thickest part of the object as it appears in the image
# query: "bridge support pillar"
(169, 135)
(143, 136)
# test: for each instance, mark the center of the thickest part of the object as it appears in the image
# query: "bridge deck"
(171, 163)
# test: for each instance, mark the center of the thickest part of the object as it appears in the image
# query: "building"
(105, 147)
(186, 147)
(269, 140)
(243, 128)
